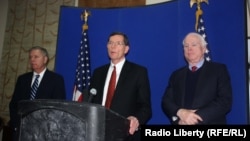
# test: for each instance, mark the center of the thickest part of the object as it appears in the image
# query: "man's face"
(37, 60)
(116, 48)
(193, 50)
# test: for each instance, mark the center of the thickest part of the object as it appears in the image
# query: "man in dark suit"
(201, 96)
(132, 92)
(50, 84)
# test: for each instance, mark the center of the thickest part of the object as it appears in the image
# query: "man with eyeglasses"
(132, 92)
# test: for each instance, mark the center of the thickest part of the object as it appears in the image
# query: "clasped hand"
(188, 117)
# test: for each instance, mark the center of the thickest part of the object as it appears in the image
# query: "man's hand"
(134, 124)
(188, 117)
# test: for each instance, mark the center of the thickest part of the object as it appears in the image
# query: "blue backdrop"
(156, 33)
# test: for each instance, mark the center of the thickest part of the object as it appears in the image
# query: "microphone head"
(93, 91)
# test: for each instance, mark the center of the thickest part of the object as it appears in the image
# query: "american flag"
(201, 30)
(83, 74)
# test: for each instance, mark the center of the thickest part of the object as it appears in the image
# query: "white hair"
(201, 39)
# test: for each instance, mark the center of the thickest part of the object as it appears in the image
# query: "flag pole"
(199, 24)
(199, 11)
(84, 16)
(83, 73)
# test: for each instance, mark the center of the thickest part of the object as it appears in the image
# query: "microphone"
(93, 92)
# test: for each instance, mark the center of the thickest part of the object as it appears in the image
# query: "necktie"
(34, 88)
(194, 68)
(111, 88)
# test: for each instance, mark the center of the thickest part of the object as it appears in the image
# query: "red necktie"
(194, 68)
(111, 88)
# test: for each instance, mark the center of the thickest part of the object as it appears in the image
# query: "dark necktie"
(194, 68)
(34, 88)
(111, 88)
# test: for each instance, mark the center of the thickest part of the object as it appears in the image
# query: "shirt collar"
(41, 74)
(199, 64)
(118, 65)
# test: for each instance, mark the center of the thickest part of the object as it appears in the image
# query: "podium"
(61, 120)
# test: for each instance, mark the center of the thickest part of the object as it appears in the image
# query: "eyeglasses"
(115, 43)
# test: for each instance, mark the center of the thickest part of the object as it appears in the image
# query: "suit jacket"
(212, 97)
(51, 87)
(132, 93)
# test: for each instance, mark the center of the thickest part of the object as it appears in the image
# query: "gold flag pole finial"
(199, 12)
(84, 16)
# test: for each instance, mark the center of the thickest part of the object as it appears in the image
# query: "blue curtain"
(156, 33)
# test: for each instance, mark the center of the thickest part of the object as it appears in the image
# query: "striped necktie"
(34, 88)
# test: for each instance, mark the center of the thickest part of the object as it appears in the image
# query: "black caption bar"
(197, 132)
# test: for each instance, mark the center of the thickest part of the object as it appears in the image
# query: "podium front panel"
(59, 120)
(52, 125)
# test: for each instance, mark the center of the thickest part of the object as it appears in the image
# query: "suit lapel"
(123, 75)
(183, 74)
(43, 83)
(101, 85)
(201, 80)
